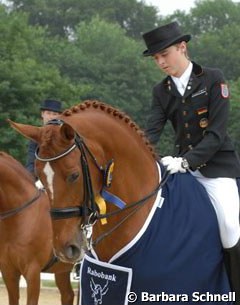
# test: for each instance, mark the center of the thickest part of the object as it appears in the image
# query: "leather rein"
(19, 209)
(89, 209)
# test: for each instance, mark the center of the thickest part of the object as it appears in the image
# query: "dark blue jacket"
(199, 119)
(30, 164)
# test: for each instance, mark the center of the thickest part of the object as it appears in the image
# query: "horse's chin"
(67, 257)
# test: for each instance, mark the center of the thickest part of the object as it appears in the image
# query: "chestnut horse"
(110, 195)
(26, 235)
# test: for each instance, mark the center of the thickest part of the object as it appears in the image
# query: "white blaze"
(48, 171)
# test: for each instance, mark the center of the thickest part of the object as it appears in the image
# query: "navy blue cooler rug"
(176, 258)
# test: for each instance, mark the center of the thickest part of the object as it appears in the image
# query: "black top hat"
(51, 105)
(163, 37)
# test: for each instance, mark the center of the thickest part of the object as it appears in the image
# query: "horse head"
(92, 154)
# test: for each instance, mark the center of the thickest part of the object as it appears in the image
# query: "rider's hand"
(174, 164)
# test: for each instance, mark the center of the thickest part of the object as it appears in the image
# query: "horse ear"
(67, 132)
(28, 131)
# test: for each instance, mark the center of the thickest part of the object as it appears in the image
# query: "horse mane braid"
(114, 112)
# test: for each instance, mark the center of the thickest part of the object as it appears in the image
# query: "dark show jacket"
(30, 164)
(199, 119)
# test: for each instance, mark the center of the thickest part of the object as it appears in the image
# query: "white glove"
(173, 164)
(39, 184)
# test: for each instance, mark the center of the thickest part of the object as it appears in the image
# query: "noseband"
(89, 210)
(76, 211)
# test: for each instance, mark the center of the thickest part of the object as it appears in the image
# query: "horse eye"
(73, 177)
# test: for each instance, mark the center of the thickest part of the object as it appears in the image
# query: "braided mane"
(115, 113)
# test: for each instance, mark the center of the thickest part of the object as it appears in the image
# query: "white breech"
(223, 193)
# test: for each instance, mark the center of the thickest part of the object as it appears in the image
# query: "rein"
(141, 201)
(139, 204)
(89, 209)
(88, 188)
(17, 210)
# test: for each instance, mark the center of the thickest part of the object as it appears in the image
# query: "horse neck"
(15, 187)
(135, 176)
(119, 141)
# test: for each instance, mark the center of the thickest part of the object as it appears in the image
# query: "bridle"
(89, 209)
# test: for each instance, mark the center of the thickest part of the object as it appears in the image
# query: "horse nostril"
(72, 252)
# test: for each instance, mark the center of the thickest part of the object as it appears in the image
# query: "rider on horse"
(196, 101)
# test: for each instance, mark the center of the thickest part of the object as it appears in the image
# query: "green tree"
(98, 57)
(220, 49)
(215, 28)
(61, 16)
(24, 80)
(213, 15)
(234, 126)
(113, 65)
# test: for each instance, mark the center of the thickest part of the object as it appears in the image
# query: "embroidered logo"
(224, 91)
(202, 91)
(98, 291)
(109, 277)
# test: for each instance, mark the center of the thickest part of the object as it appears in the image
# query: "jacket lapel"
(170, 87)
(193, 83)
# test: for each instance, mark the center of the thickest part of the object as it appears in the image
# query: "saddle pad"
(178, 251)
